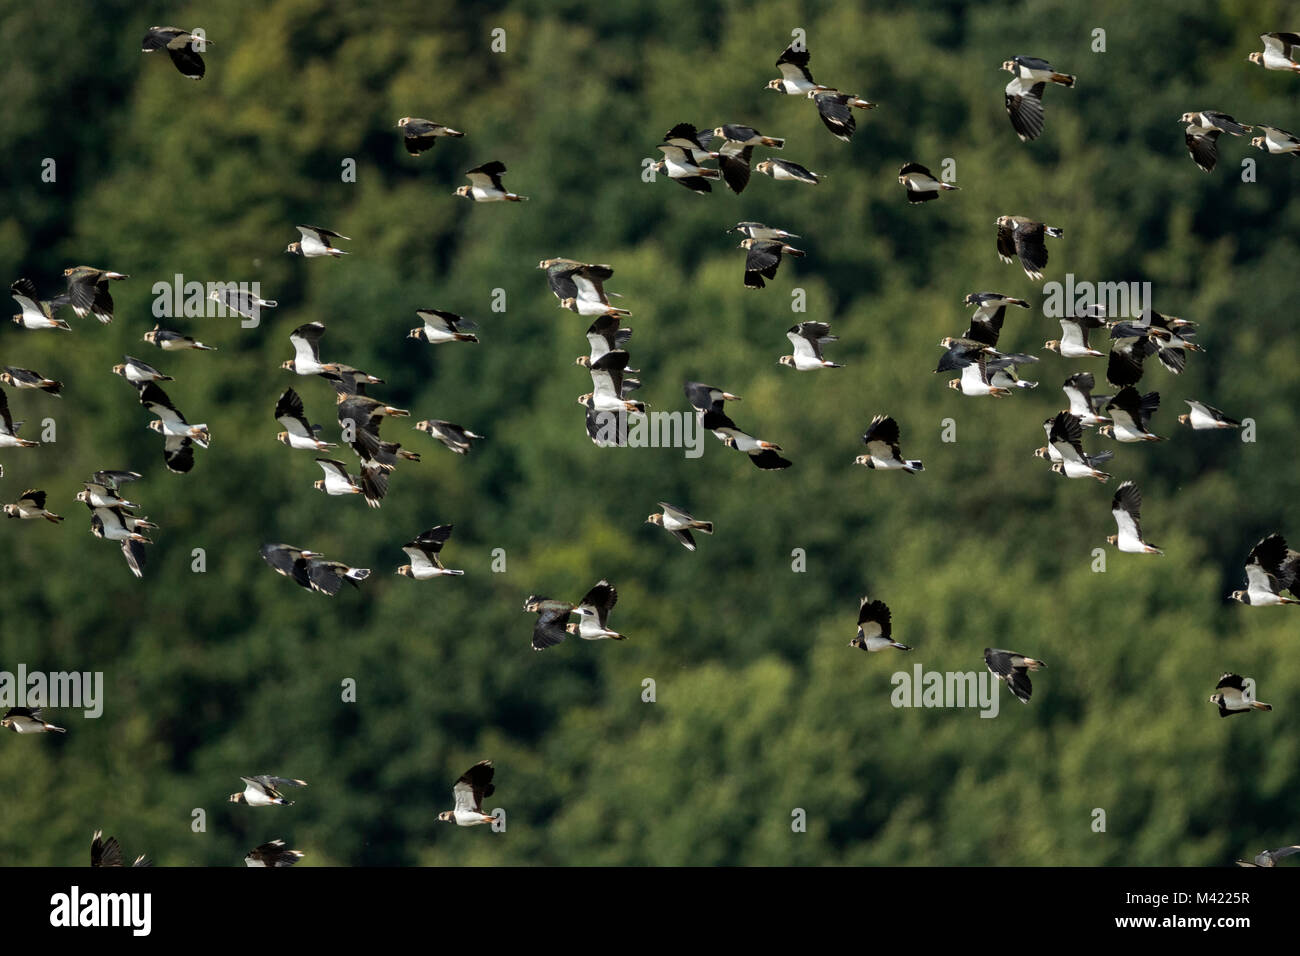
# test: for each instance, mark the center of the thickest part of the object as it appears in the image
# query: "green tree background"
(762, 707)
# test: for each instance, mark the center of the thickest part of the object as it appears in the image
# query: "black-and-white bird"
(306, 351)
(118, 524)
(108, 852)
(763, 258)
(1270, 857)
(1204, 417)
(315, 242)
(31, 505)
(579, 286)
(882, 441)
(680, 524)
(874, 628)
(975, 381)
(337, 481)
(1126, 506)
(28, 720)
(1083, 404)
(100, 491)
(179, 436)
(682, 167)
(921, 184)
(88, 291)
(694, 141)
(1025, 239)
(1002, 371)
(423, 552)
(1024, 94)
(1277, 141)
(170, 341)
(836, 112)
(455, 437)
(36, 314)
(747, 136)
(1066, 438)
(349, 381)
(272, 854)
(1013, 669)
(298, 432)
(485, 184)
(9, 428)
(21, 378)
(181, 45)
(1279, 53)
(1130, 414)
(1271, 568)
(137, 372)
(990, 312)
(1233, 696)
(421, 134)
(756, 230)
(472, 788)
(264, 791)
(550, 628)
(764, 454)
(327, 577)
(707, 398)
(603, 336)
(360, 418)
(785, 171)
(440, 326)
(1202, 135)
(290, 561)
(795, 79)
(1073, 342)
(241, 301)
(808, 339)
(593, 614)
(607, 381)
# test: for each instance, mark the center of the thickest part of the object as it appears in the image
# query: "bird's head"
(859, 641)
(1041, 452)
(955, 383)
(462, 191)
(1107, 431)
(319, 485)
(1112, 539)
(1256, 57)
(1258, 142)
(746, 243)
(787, 360)
(1184, 419)
(1053, 346)
(156, 425)
(289, 365)
(775, 85)
(1009, 65)
(236, 797)
(585, 400)
(764, 167)
(7, 378)
(1240, 596)
(119, 370)
(568, 302)
(282, 438)
(1187, 117)
(405, 571)
(571, 628)
(11, 511)
(416, 334)
(583, 360)
(864, 460)
(1216, 698)
(655, 518)
(294, 248)
(447, 816)
(152, 336)
(403, 121)
(534, 603)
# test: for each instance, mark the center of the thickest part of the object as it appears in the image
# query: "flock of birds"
(984, 371)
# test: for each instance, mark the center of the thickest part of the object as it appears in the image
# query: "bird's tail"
(61, 730)
(357, 574)
(53, 388)
(1056, 232)
(466, 337)
(948, 186)
(515, 197)
(448, 131)
(1260, 705)
(901, 647)
(999, 392)
(710, 173)
(452, 571)
(62, 324)
(913, 466)
(1034, 665)
(1101, 476)
(623, 637)
(52, 518)
(1021, 383)
(797, 253)
(704, 527)
(337, 252)
(1064, 79)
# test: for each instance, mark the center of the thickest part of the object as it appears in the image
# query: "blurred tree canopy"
(761, 707)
